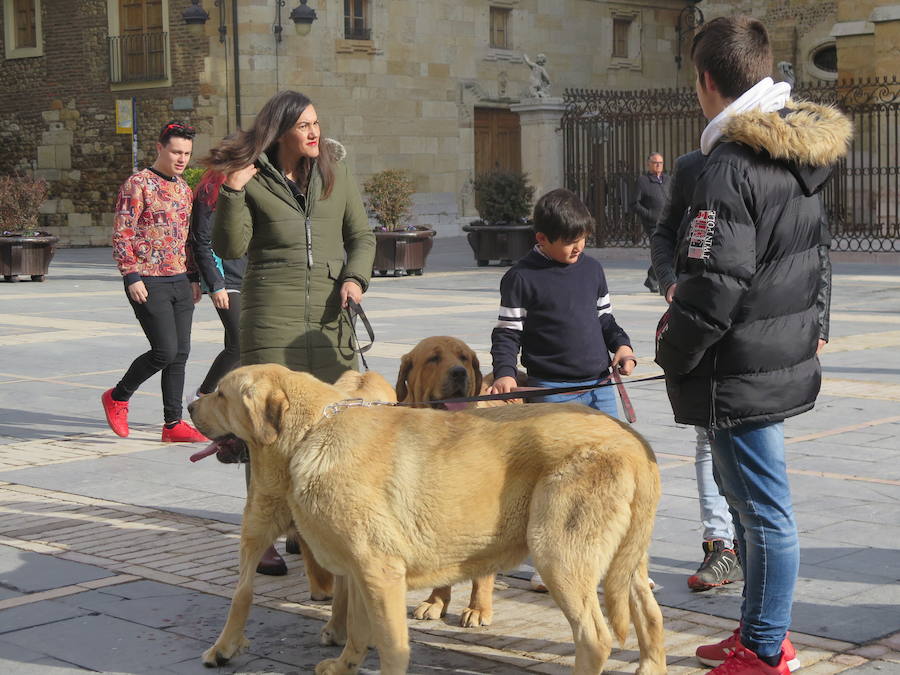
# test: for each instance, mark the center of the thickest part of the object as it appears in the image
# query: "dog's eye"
(434, 358)
(463, 358)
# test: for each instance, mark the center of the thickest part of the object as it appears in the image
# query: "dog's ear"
(272, 420)
(401, 387)
(266, 410)
(476, 366)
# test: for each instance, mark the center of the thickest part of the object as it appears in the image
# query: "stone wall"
(404, 99)
(57, 115)
(796, 27)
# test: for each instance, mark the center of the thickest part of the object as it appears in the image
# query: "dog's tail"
(630, 557)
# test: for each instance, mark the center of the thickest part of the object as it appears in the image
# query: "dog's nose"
(458, 373)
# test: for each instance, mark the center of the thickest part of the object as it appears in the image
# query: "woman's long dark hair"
(276, 117)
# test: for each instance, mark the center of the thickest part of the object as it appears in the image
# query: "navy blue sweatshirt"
(560, 316)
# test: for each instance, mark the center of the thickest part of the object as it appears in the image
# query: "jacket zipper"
(309, 255)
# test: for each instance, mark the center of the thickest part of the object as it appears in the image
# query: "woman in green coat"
(290, 204)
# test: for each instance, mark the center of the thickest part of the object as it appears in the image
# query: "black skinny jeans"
(230, 357)
(166, 319)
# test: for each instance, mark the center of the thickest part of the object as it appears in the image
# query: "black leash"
(354, 310)
(533, 393)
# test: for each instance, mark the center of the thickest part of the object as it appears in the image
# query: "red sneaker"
(715, 654)
(182, 433)
(742, 661)
(116, 413)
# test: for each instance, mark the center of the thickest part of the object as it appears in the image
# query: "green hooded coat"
(297, 261)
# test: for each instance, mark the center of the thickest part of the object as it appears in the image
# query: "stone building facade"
(402, 83)
(57, 110)
(439, 88)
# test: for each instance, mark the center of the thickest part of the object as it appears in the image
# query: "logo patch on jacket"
(702, 228)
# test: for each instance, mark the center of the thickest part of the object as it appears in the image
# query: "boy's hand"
(623, 360)
(503, 385)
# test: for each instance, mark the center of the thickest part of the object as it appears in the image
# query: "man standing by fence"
(650, 195)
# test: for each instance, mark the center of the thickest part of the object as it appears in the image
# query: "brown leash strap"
(623, 396)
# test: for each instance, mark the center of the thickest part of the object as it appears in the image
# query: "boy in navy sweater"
(554, 305)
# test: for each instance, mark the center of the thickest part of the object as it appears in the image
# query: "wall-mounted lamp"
(690, 18)
(303, 16)
(195, 15)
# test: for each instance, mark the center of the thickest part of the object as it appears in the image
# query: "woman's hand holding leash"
(350, 289)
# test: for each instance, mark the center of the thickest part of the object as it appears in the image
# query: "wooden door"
(497, 141)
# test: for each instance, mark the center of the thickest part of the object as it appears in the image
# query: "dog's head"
(438, 368)
(255, 403)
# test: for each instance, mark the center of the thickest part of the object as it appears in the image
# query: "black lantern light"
(303, 16)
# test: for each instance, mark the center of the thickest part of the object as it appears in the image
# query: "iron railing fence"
(608, 135)
(140, 57)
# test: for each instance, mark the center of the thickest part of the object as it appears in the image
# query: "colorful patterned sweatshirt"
(153, 215)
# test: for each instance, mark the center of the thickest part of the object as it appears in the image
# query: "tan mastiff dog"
(571, 486)
(438, 368)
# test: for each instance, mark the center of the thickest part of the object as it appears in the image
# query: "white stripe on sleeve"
(511, 317)
(604, 306)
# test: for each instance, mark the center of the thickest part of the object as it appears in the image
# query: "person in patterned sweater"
(153, 215)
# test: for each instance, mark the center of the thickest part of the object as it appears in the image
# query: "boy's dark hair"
(560, 214)
(735, 51)
(177, 129)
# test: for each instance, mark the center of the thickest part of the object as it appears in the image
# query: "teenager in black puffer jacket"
(739, 346)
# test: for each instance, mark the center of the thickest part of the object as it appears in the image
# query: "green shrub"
(192, 176)
(390, 198)
(503, 197)
(20, 199)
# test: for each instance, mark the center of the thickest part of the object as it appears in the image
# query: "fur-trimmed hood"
(335, 148)
(810, 137)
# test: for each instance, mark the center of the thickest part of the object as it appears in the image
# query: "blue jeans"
(751, 471)
(714, 514)
(602, 399)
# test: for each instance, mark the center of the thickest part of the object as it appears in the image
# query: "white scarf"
(765, 96)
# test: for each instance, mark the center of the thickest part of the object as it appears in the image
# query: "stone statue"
(539, 86)
(786, 70)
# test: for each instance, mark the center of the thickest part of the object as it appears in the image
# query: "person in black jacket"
(220, 278)
(720, 563)
(651, 192)
(738, 344)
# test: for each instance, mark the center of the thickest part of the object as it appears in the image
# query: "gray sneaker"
(720, 566)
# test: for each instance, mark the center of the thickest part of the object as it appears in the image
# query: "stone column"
(542, 142)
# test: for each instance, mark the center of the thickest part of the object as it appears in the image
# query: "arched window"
(825, 58)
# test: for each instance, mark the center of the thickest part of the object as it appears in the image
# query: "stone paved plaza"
(119, 556)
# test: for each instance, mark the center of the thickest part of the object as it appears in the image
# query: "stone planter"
(26, 255)
(504, 243)
(402, 252)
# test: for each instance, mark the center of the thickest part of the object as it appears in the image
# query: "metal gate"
(608, 135)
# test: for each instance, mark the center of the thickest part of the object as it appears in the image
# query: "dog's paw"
(472, 618)
(319, 596)
(335, 667)
(429, 610)
(329, 635)
(218, 655)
